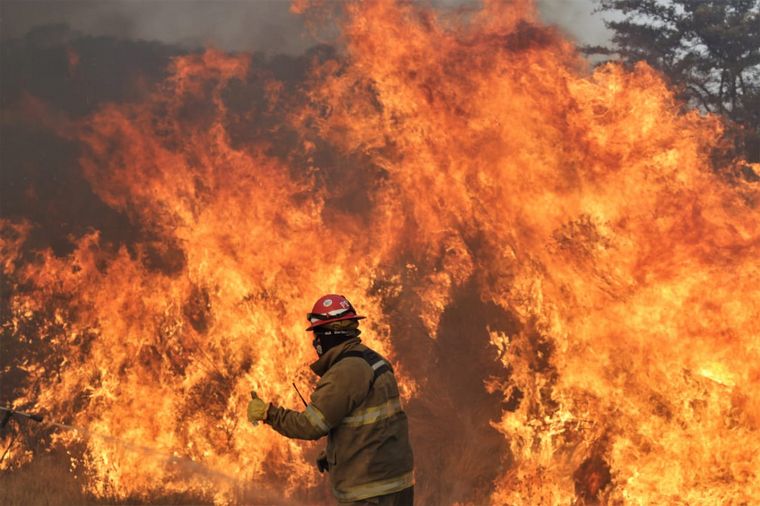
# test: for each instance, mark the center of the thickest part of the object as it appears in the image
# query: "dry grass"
(46, 481)
(43, 482)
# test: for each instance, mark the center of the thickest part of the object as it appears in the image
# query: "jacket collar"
(326, 361)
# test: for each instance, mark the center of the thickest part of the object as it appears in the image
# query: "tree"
(708, 49)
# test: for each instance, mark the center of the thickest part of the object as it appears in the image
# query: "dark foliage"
(710, 50)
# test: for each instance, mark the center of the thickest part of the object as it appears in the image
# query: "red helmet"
(331, 308)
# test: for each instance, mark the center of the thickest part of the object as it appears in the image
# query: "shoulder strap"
(373, 359)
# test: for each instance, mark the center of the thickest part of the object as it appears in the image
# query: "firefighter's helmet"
(331, 308)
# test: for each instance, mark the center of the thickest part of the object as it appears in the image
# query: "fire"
(443, 165)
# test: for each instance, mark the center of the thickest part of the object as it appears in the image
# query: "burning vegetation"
(562, 273)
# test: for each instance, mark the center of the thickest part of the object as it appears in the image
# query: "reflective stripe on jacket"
(368, 447)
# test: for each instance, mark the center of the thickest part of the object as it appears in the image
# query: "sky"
(238, 25)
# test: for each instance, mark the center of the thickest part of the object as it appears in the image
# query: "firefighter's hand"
(322, 464)
(257, 409)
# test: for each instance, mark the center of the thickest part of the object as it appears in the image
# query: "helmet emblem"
(327, 303)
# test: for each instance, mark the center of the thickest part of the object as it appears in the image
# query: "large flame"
(470, 184)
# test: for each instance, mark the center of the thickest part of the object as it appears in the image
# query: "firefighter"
(356, 405)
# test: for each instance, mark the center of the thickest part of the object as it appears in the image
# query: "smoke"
(236, 25)
(577, 19)
(233, 25)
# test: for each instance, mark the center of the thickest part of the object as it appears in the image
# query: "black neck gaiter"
(324, 339)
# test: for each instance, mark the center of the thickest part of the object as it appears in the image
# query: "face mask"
(326, 339)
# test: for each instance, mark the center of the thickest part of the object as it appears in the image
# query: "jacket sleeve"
(294, 424)
(343, 387)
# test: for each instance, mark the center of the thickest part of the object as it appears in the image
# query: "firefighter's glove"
(257, 409)
(322, 464)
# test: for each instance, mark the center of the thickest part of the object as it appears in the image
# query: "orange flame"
(486, 161)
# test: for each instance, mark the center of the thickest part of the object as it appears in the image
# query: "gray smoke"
(577, 19)
(236, 25)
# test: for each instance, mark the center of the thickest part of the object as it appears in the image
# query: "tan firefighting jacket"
(368, 447)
